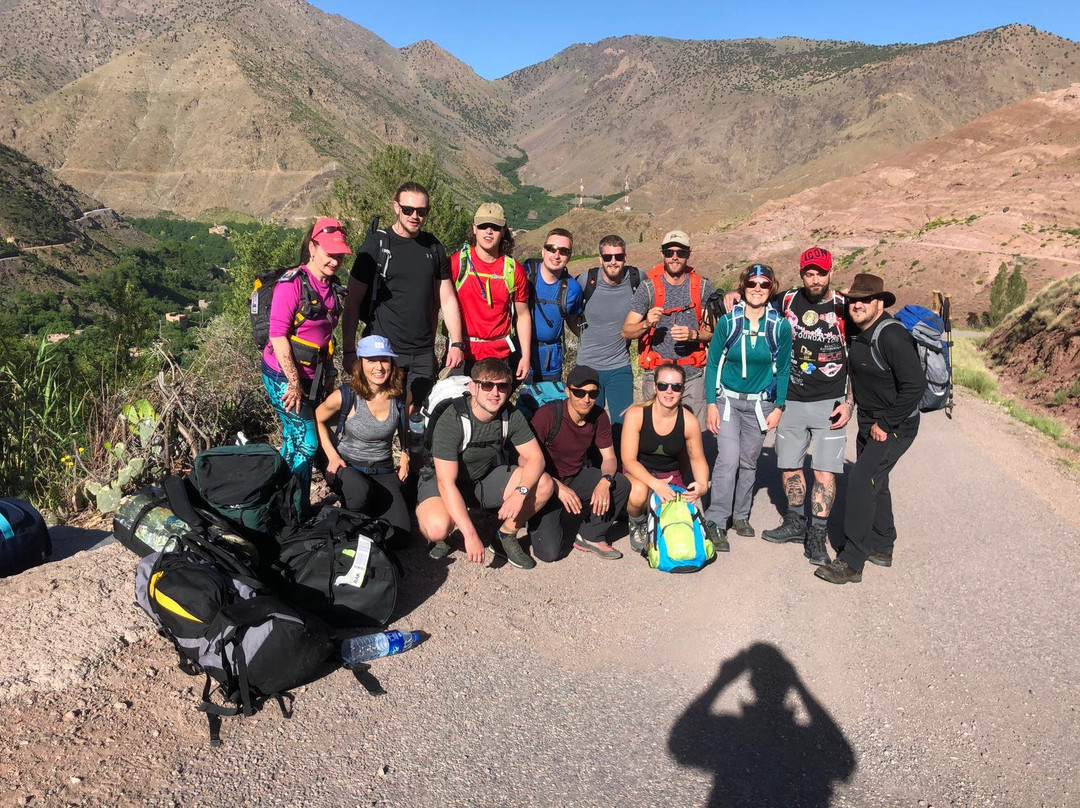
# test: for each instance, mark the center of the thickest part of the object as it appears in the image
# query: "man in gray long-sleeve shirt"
(888, 382)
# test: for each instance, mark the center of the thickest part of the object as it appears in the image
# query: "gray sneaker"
(718, 537)
(793, 528)
(639, 535)
(510, 548)
(600, 548)
(816, 546)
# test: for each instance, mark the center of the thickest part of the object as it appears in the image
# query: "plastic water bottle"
(155, 525)
(416, 432)
(372, 646)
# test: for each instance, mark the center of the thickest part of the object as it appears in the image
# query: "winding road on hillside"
(950, 679)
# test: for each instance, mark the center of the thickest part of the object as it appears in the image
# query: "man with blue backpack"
(889, 383)
(556, 303)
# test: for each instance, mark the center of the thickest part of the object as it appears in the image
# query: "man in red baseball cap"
(818, 407)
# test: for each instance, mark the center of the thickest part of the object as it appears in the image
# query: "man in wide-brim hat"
(888, 382)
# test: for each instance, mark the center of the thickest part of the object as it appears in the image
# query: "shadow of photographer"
(781, 749)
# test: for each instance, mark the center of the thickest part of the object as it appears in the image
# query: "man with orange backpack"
(491, 287)
(667, 317)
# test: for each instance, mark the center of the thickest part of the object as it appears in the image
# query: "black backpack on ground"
(251, 645)
(24, 539)
(339, 567)
(250, 488)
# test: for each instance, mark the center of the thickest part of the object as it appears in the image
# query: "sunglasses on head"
(676, 252)
(663, 387)
(581, 392)
(759, 284)
(488, 386)
(613, 257)
(409, 210)
(331, 229)
(489, 226)
(563, 251)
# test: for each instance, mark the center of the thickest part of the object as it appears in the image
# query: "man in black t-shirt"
(818, 405)
(403, 306)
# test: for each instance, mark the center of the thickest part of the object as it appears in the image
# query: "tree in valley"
(1007, 291)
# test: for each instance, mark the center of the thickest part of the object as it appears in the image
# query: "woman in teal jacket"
(746, 381)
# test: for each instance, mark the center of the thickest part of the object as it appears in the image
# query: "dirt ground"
(948, 680)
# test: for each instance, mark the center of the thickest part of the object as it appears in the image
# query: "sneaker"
(639, 535)
(816, 546)
(742, 528)
(439, 550)
(718, 536)
(510, 548)
(881, 559)
(793, 528)
(837, 572)
(600, 548)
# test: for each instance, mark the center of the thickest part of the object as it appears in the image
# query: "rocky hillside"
(1037, 350)
(197, 105)
(36, 208)
(257, 107)
(711, 129)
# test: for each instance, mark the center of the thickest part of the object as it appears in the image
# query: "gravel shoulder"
(949, 679)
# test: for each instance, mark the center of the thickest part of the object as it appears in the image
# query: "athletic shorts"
(806, 425)
(486, 494)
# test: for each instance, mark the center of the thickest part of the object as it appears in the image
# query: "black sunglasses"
(581, 392)
(613, 257)
(489, 226)
(676, 252)
(487, 387)
(663, 387)
(331, 229)
(563, 251)
(409, 210)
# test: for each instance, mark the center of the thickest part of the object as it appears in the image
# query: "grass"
(970, 371)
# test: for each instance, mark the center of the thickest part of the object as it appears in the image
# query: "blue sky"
(499, 38)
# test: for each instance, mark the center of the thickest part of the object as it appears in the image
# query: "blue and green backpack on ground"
(677, 538)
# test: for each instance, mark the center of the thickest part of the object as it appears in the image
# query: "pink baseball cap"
(330, 235)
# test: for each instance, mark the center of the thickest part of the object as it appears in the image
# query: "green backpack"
(678, 541)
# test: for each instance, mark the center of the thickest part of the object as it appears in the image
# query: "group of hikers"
(719, 371)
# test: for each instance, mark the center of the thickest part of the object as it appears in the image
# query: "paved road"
(949, 679)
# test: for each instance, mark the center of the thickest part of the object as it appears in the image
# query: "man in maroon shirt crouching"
(589, 498)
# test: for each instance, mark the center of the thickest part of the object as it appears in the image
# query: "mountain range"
(186, 106)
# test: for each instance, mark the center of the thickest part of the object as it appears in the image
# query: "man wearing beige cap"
(491, 287)
(667, 318)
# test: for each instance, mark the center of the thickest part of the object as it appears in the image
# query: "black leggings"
(376, 495)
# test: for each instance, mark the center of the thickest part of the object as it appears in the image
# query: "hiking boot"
(439, 550)
(639, 535)
(510, 548)
(816, 546)
(793, 528)
(881, 559)
(742, 528)
(837, 572)
(718, 537)
(600, 548)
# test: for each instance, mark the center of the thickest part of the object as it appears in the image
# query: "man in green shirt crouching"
(469, 468)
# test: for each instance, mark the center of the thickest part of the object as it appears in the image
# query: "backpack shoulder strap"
(556, 420)
(635, 278)
(383, 261)
(772, 323)
(348, 403)
(840, 310)
(560, 298)
(510, 275)
(789, 296)
(590, 284)
(656, 286)
(461, 406)
(464, 265)
(875, 351)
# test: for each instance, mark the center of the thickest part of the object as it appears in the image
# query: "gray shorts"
(486, 494)
(806, 425)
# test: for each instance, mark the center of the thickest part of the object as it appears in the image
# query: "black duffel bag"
(338, 566)
(24, 539)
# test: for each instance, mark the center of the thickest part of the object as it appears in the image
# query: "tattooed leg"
(823, 494)
(794, 487)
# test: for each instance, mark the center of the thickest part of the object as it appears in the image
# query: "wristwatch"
(459, 345)
(611, 479)
(523, 490)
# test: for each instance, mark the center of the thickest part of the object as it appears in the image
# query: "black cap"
(583, 374)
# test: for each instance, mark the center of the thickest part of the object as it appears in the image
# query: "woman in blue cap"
(360, 463)
(746, 381)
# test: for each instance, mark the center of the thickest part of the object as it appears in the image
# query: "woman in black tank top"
(659, 445)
